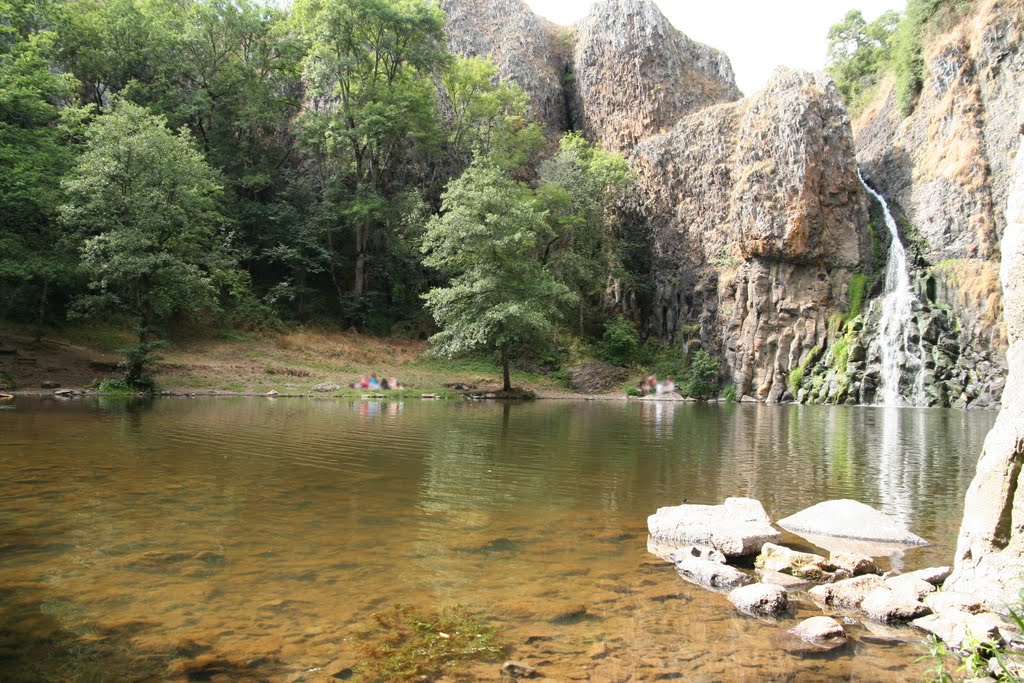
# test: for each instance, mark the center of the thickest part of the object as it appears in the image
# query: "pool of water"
(230, 539)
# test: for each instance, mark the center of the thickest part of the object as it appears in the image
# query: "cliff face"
(756, 214)
(946, 170)
(527, 50)
(991, 544)
(635, 75)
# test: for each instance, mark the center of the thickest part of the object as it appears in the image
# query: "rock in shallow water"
(760, 600)
(849, 519)
(738, 527)
(710, 574)
(848, 593)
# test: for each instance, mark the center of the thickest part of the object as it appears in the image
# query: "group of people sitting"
(651, 386)
(372, 382)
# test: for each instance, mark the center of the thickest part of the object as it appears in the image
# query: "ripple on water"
(258, 536)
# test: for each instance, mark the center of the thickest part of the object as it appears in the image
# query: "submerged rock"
(736, 528)
(849, 519)
(825, 632)
(760, 600)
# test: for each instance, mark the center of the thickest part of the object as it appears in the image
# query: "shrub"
(135, 365)
(730, 394)
(620, 343)
(701, 380)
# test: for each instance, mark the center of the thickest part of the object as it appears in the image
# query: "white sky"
(757, 35)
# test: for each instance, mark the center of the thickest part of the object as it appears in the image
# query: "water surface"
(228, 539)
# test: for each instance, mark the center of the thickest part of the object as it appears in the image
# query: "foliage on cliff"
(861, 52)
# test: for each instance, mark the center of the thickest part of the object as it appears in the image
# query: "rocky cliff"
(756, 214)
(526, 49)
(991, 544)
(758, 221)
(635, 75)
(945, 170)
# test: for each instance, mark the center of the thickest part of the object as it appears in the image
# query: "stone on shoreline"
(326, 387)
(736, 528)
(909, 585)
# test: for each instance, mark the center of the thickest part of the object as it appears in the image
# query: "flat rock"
(760, 600)
(326, 387)
(700, 552)
(933, 575)
(784, 580)
(736, 528)
(850, 519)
(847, 593)
(711, 574)
(910, 586)
(946, 601)
(890, 607)
(518, 670)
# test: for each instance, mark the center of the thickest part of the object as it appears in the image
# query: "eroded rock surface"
(738, 527)
(636, 75)
(990, 548)
(760, 600)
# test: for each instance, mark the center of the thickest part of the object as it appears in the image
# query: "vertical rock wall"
(945, 171)
(990, 551)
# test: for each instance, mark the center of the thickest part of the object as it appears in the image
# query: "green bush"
(701, 379)
(730, 394)
(136, 363)
(621, 342)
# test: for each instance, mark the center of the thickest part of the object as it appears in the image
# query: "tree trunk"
(362, 233)
(505, 376)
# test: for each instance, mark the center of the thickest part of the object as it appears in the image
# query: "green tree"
(142, 203)
(579, 189)
(859, 51)
(37, 118)
(702, 375)
(487, 117)
(371, 120)
(489, 240)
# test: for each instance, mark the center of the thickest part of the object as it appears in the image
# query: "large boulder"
(736, 528)
(958, 629)
(849, 519)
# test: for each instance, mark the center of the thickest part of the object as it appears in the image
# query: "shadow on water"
(45, 638)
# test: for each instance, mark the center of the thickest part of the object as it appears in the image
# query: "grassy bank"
(289, 362)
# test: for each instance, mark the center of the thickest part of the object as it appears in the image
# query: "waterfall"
(894, 325)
